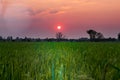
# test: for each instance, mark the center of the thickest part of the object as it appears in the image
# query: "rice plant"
(59, 61)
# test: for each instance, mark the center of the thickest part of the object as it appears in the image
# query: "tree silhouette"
(1, 38)
(118, 36)
(92, 33)
(59, 36)
(9, 38)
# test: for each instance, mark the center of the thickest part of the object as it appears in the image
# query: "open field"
(59, 61)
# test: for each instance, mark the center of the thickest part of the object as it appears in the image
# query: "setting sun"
(58, 27)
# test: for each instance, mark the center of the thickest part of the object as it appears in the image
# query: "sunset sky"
(40, 18)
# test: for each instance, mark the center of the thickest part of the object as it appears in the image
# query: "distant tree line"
(26, 39)
(94, 36)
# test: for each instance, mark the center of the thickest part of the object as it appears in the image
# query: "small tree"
(1, 38)
(59, 36)
(9, 38)
(118, 36)
(92, 34)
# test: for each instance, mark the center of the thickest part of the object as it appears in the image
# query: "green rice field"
(59, 61)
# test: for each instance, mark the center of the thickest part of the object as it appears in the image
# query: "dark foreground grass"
(59, 61)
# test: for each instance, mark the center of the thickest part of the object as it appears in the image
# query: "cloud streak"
(34, 12)
(56, 11)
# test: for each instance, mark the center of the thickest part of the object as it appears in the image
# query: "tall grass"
(59, 61)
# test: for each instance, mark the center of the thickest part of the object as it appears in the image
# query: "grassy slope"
(59, 61)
